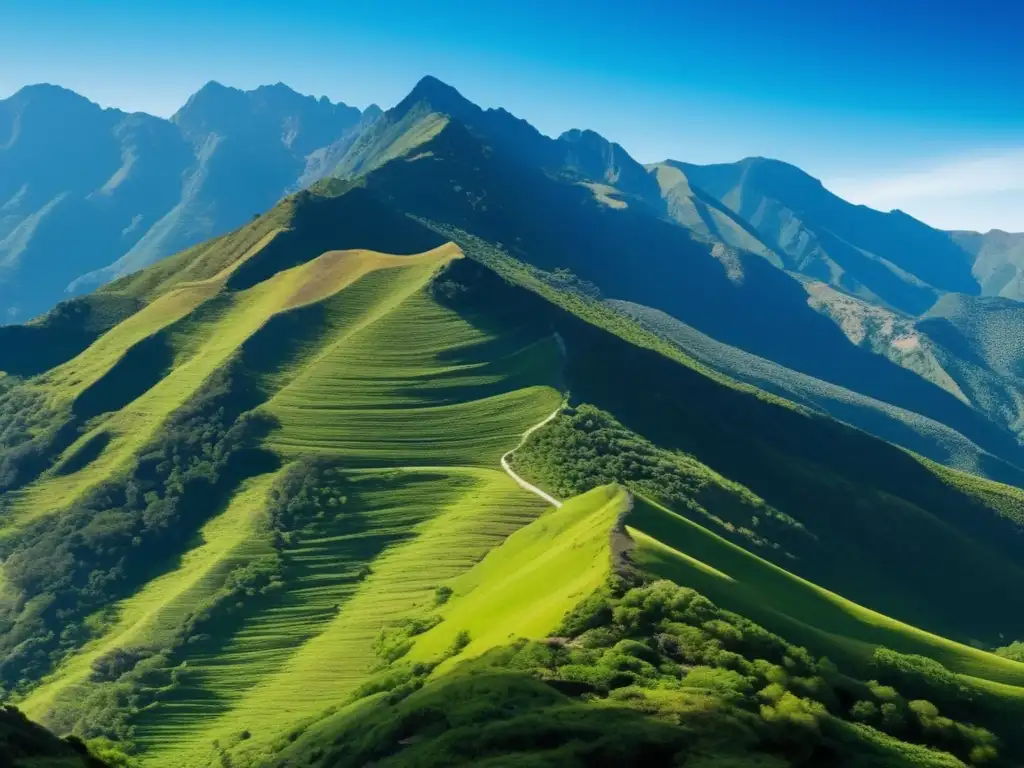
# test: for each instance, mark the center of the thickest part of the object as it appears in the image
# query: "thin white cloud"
(979, 191)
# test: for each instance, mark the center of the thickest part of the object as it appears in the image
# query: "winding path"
(512, 473)
(526, 435)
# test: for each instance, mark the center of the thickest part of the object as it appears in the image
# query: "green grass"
(212, 327)
(671, 546)
(152, 615)
(311, 648)
(399, 387)
(363, 365)
(525, 587)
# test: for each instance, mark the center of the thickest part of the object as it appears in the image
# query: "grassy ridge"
(395, 380)
(885, 526)
(410, 531)
(362, 363)
(534, 672)
(203, 339)
(394, 388)
(525, 587)
(151, 616)
(674, 547)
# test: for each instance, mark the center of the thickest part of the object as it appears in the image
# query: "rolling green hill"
(254, 511)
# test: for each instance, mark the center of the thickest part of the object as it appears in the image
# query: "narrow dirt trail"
(526, 436)
(512, 473)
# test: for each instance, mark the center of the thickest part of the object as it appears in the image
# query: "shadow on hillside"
(634, 256)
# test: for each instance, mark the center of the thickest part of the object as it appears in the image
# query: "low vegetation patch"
(657, 674)
(586, 447)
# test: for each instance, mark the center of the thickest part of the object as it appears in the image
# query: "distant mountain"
(87, 193)
(888, 258)
(705, 216)
(981, 345)
(998, 261)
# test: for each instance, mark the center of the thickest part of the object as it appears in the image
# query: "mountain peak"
(440, 96)
(431, 86)
(277, 87)
(56, 95)
(584, 134)
(213, 88)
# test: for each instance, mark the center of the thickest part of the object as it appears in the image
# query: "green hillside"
(626, 673)
(415, 435)
(262, 519)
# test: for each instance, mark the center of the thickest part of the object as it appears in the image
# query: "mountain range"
(91, 193)
(135, 188)
(439, 441)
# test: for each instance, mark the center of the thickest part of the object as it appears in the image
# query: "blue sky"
(914, 104)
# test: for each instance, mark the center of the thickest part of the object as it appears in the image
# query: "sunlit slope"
(397, 380)
(150, 617)
(69, 380)
(419, 384)
(671, 546)
(403, 533)
(525, 587)
(199, 344)
(365, 365)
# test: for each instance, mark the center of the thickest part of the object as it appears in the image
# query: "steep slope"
(704, 215)
(23, 744)
(654, 673)
(416, 434)
(829, 496)
(632, 254)
(978, 342)
(88, 194)
(889, 258)
(896, 425)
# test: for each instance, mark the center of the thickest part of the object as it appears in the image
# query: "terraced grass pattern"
(415, 401)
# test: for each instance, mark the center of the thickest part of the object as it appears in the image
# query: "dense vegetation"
(586, 447)
(656, 674)
(62, 567)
